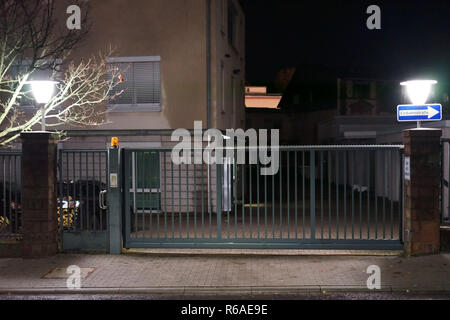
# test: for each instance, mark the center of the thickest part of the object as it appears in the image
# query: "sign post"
(418, 113)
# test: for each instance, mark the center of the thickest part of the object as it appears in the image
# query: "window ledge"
(146, 107)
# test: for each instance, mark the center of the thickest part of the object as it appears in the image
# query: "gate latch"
(101, 200)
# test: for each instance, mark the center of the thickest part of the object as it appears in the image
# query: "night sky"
(414, 40)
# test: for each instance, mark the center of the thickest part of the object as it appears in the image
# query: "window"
(222, 87)
(223, 14)
(141, 83)
(349, 89)
(233, 88)
(232, 25)
(361, 90)
(241, 104)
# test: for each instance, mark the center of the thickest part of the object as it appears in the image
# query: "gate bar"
(312, 182)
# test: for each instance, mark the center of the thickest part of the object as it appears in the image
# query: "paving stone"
(225, 273)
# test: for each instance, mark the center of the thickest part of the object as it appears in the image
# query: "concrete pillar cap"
(422, 132)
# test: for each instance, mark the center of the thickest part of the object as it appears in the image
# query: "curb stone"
(358, 289)
(286, 290)
(224, 290)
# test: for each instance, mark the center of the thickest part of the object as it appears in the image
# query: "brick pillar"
(422, 191)
(39, 195)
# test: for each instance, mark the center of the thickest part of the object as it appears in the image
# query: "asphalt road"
(332, 296)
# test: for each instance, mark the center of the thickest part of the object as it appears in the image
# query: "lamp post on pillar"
(422, 180)
(418, 92)
(38, 182)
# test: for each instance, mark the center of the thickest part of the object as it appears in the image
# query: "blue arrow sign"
(425, 112)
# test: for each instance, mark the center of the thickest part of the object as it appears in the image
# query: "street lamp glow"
(43, 90)
(418, 90)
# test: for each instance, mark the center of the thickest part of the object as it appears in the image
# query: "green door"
(145, 189)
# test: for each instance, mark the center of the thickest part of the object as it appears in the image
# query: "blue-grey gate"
(330, 197)
(81, 203)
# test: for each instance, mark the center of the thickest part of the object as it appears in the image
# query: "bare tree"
(33, 41)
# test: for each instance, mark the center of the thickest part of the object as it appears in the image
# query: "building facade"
(181, 61)
(184, 61)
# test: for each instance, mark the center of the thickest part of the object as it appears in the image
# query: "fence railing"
(11, 212)
(321, 195)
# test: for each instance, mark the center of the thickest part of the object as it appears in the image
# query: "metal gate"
(324, 197)
(445, 178)
(81, 204)
(11, 213)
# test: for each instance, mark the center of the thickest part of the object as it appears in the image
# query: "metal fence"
(11, 214)
(445, 178)
(321, 197)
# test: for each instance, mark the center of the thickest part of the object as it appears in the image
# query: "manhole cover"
(61, 273)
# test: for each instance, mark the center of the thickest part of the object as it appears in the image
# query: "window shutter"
(142, 82)
(147, 82)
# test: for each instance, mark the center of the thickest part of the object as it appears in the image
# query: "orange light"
(115, 142)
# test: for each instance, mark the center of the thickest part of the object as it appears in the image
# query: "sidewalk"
(157, 273)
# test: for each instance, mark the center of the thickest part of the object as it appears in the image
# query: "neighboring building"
(282, 79)
(323, 105)
(359, 92)
(263, 109)
(373, 119)
(330, 105)
(295, 127)
(257, 97)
